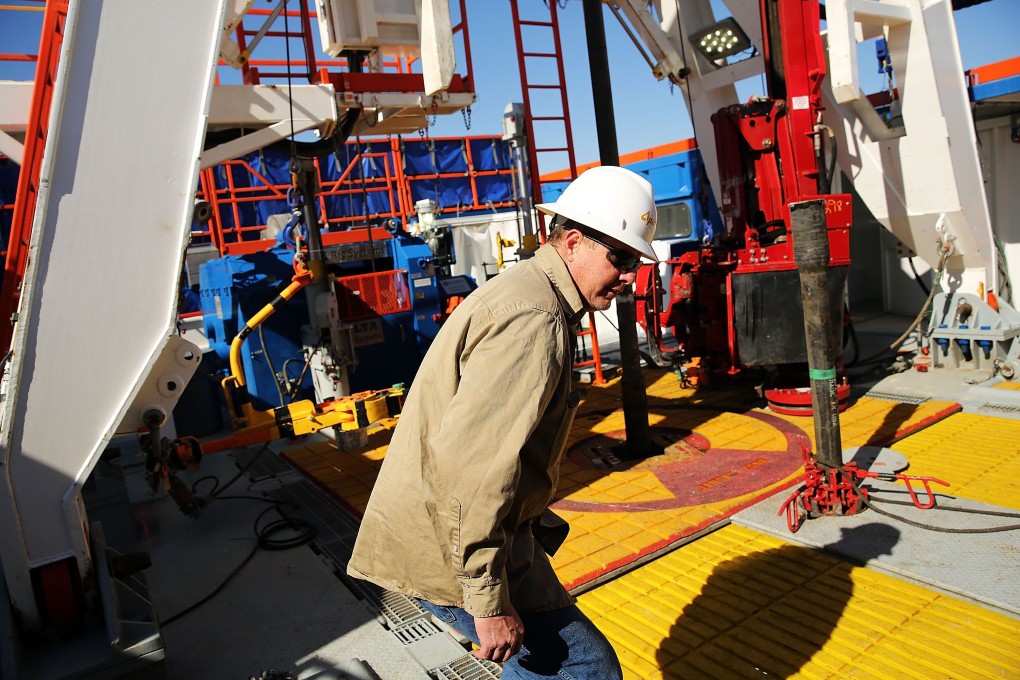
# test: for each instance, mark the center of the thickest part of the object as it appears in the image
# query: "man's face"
(598, 280)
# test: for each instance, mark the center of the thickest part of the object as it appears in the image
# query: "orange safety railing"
(16, 255)
(18, 66)
(1007, 68)
(231, 221)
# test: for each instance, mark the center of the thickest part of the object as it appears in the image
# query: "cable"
(683, 57)
(269, 363)
(216, 590)
(1005, 291)
(930, 527)
(217, 489)
(917, 277)
(946, 250)
(263, 535)
(303, 532)
(290, 96)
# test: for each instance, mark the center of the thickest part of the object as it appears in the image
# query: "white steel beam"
(11, 148)
(15, 104)
(95, 343)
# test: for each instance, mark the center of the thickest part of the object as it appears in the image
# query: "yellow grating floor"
(611, 524)
(978, 455)
(741, 604)
(602, 543)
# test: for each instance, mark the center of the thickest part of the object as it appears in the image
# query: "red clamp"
(830, 491)
(926, 482)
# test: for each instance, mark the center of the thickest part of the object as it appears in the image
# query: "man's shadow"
(765, 615)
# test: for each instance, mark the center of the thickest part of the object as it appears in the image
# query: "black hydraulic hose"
(917, 277)
(927, 303)
(946, 250)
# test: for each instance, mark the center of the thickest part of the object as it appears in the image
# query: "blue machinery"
(387, 296)
(383, 305)
(687, 213)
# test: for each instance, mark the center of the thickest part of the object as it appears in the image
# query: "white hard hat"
(611, 200)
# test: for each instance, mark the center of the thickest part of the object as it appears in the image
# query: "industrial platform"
(683, 559)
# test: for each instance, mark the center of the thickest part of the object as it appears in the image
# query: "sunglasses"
(624, 260)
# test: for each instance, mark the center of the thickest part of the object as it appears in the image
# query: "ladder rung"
(547, 86)
(551, 148)
(548, 118)
(533, 22)
(272, 34)
(551, 55)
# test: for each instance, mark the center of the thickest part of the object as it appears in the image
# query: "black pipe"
(308, 186)
(632, 382)
(811, 255)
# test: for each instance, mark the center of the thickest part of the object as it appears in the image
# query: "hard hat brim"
(637, 244)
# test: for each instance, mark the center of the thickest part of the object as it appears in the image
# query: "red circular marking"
(695, 472)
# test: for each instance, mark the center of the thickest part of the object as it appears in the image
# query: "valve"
(965, 348)
(943, 344)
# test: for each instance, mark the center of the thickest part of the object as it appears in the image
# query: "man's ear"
(572, 241)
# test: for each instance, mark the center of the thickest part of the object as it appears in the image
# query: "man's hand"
(500, 636)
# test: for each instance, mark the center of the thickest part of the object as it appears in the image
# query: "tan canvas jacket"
(474, 458)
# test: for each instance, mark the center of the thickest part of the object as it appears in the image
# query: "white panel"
(437, 56)
(112, 222)
(909, 176)
(1001, 164)
(388, 25)
(15, 103)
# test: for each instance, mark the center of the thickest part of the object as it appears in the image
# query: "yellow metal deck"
(740, 604)
(683, 594)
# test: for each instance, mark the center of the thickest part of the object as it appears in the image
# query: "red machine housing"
(737, 302)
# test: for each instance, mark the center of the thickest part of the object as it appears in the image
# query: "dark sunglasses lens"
(621, 259)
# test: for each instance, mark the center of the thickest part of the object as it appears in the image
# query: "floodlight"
(720, 40)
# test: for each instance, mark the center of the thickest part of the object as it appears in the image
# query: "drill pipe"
(811, 255)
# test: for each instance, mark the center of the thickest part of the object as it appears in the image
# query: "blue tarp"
(436, 169)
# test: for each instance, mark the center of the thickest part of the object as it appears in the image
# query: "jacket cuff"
(485, 596)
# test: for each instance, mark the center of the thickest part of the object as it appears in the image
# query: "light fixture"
(720, 40)
(426, 209)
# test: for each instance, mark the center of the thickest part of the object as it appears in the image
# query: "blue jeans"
(562, 643)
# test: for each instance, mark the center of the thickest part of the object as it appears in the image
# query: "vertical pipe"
(811, 255)
(635, 401)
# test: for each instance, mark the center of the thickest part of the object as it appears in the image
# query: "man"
(458, 516)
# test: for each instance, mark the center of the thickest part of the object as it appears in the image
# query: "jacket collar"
(554, 267)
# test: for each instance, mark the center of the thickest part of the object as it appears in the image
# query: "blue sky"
(647, 112)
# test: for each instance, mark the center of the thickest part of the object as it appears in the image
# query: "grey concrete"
(284, 610)
(978, 567)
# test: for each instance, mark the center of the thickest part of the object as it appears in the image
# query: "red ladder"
(560, 118)
(52, 37)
